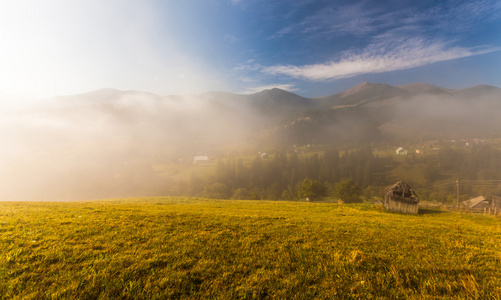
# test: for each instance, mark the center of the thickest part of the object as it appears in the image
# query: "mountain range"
(395, 111)
(112, 139)
(371, 112)
(391, 112)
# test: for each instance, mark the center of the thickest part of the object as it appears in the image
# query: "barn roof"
(402, 192)
(474, 201)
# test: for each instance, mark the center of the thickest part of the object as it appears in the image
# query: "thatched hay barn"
(401, 198)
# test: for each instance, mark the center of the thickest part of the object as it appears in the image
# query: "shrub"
(216, 191)
(348, 191)
(311, 189)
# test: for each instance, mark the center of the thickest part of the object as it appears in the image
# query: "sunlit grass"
(195, 248)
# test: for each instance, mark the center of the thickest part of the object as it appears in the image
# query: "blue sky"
(312, 48)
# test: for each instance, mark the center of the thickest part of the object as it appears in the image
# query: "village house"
(200, 159)
(401, 198)
(401, 151)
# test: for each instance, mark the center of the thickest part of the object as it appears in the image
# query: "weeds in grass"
(184, 248)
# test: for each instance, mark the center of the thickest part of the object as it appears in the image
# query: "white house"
(200, 159)
(401, 151)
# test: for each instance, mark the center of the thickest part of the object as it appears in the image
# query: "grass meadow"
(189, 248)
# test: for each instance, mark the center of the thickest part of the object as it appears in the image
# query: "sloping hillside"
(161, 248)
(370, 113)
(363, 93)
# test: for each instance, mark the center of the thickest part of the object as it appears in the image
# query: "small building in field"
(401, 198)
(477, 204)
(401, 151)
(200, 159)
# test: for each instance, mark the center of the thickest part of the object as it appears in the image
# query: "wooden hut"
(401, 198)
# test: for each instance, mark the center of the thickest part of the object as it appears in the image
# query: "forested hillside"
(283, 176)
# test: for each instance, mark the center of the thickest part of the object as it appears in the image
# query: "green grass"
(161, 248)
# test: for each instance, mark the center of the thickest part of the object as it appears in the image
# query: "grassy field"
(161, 248)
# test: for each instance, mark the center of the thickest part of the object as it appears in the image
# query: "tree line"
(288, 176)
(330, 174)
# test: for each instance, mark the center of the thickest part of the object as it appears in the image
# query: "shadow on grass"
(427, 211)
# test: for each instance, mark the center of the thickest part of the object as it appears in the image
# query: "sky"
(310, 47)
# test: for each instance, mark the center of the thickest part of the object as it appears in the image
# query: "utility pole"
(457, 185)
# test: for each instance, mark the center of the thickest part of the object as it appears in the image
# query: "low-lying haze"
(108, 143)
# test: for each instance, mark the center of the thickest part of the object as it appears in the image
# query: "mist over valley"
(113, 143)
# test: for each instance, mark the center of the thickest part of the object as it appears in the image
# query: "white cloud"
(247, 79)
(364, 19)
(378, 58)
(333, 20)
(247, 66)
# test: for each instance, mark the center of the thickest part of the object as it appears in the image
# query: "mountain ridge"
(268, 94)
(276, 105)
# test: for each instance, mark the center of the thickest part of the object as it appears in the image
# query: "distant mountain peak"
(274, 90)
(362, 87)
(483, 87)
(275, 93)
(474, 91)
(418, 86)
(424, 88)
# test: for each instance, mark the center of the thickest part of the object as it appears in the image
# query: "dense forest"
(292, 176)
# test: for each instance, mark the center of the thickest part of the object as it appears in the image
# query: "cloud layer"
(378, 58)
(344, 40)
